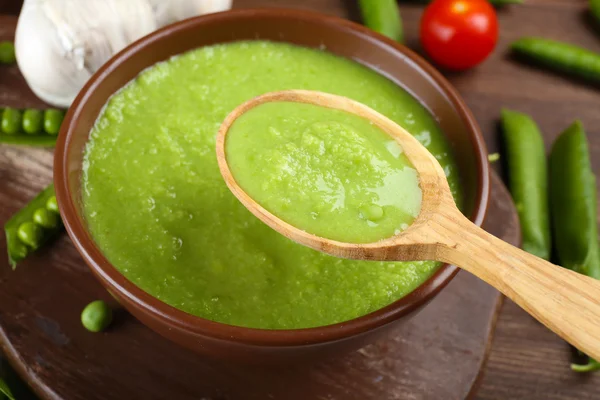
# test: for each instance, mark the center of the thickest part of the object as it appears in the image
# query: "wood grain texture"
(527, 361)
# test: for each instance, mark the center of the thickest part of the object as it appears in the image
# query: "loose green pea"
(45, 218)
(52, 204)
(96, 316)
(11, 121)
(7, 53)
(33, 121)
(30, 234)
(52, 120)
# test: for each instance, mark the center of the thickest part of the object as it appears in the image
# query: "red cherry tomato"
(459, 34)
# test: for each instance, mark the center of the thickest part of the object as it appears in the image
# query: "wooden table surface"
(527, 361)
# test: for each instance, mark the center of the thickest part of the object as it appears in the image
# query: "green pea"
(30, 234)
(45, 218)
(17, 230)
(96, 316)
(52, 204)
(33, 121)
(52, 121)
(11, 121)
(7, 53)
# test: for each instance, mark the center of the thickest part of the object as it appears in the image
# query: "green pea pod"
(591, 366)
(25, 231)
(528, 180)
(595, 8)
(30, 127)
(573, 203)
(574, 210)
(42, 140)
(560, 56)
(383, 16)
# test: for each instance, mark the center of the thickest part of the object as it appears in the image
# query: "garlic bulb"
(60, 43)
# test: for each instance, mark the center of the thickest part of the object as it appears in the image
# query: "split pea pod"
(96, 316)
(32, 226)
(30, 127)
(383, 16)
(560, 56)
(528, 180)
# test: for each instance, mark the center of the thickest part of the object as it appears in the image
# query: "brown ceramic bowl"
(307, 29)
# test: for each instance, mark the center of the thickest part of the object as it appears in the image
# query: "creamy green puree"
(325, 171)
(160, 211)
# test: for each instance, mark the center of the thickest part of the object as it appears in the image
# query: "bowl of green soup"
(142, 197)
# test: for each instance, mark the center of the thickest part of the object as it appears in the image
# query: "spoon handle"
(566, 302)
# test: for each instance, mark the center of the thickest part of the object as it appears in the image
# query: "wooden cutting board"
(438, 355)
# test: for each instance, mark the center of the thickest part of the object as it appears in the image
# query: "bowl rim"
(181, 320)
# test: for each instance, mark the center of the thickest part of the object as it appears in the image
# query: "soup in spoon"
(326, 171)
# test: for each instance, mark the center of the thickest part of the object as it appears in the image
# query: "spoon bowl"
(432, 181)
(565, 301)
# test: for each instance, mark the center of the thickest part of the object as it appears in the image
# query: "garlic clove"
(59, 44)
(42, 60)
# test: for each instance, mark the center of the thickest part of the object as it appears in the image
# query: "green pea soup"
(158, 208)
(325, 171)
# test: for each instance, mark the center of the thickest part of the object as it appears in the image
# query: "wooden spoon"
(564, 301)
